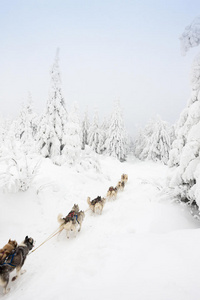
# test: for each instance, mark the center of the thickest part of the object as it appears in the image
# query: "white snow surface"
(143, 246)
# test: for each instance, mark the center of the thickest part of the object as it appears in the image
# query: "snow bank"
(139, 248)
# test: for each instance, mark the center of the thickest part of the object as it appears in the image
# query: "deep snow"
(143, 246)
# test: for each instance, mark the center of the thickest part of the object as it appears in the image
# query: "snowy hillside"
(141, 247)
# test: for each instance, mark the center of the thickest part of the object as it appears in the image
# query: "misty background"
(125, 50)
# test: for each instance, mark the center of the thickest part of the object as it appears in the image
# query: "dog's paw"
(6, 291)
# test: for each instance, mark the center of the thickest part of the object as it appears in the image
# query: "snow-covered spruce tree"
(72, 148)
(185, 153)
(116, 142)
(154, 141)
(85, 129)
(3, 130)
(9, 139)
(26, 127)
(103, 132)
(93, 133)
(52, 130)
(3, 135)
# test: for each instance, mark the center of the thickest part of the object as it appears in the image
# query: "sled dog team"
(13, 256)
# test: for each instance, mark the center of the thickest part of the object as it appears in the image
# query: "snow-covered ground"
(143, 246)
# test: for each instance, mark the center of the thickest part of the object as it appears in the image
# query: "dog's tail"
(88, 201)
(60, 219)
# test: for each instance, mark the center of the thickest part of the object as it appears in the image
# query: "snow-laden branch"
(191, 36)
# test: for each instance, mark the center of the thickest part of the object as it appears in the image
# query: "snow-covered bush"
(154, 141)
(17, 173)
(88, 161)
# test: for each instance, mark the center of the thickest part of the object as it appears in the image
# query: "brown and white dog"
(124, 178)
(15, 261)
(7, 249)
(112, 192)
(72, 220)
(120, 185)
(97, 204)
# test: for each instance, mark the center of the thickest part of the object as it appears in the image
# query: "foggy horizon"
(109, 50)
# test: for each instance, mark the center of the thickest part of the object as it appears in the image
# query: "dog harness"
(76, 216)
(7, 258)
(98, 199)
(71, 216)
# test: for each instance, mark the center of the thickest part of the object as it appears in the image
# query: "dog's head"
(12, 243)
(29, 242)
(75, 208)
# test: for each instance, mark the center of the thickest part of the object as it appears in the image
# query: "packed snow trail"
(141, 247)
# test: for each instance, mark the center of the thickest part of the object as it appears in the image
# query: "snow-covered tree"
(85, 129)
(4, 127)
(27, 127)
(44, 136)
(9, 141)
(154, 141)
(93, 133)
(116, 142)
(185, 153)
(103, 133)
(52, 131)
(72, 148)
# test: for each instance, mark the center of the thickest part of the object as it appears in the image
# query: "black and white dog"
(15, 261)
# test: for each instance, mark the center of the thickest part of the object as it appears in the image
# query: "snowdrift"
(141, 247)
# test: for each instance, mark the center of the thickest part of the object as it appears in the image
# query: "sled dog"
(124, 177)
(15, 261)
(72, 220)
(7, 249)
(97, 204)
(120, 185)
(112, 192)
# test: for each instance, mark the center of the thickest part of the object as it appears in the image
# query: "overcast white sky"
(114, 49)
